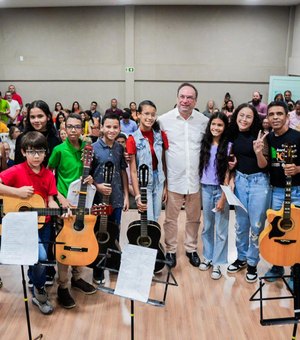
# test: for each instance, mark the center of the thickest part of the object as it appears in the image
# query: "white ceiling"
(72, 3)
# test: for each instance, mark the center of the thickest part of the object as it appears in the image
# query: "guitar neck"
(57, 211)
(104, 218)
(144, 221)
(287, 198)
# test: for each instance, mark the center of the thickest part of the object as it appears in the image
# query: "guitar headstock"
(101, 209)
(289, 153)
(108, 172)
(143, 175)
(87, 155)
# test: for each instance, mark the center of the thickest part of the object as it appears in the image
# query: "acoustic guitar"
(107, 232)
(146, 233)
(77, 242)
(37, 203)
(279, 242)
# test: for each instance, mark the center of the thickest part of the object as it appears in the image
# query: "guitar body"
(152, 240)
(16, 204)
(108, 240)
(279, 244)
(80, 247)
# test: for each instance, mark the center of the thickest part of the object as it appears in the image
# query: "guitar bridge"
(78, 249)
(285, 242)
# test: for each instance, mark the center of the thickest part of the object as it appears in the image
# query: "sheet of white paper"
(214, 210)
(73, 194)
(136, 272)
(231, 198)
(19, 243)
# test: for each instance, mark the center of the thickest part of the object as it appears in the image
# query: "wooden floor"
(199, 308)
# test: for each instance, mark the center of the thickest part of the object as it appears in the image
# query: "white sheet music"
(231, 198)
(19, 243)
(73, 194)
(136, 272)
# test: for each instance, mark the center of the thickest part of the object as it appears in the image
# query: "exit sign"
(129, 69)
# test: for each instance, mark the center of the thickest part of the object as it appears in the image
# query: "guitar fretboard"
(144, 221)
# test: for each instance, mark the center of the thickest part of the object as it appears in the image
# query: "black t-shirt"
(277, 177)
(243, 151)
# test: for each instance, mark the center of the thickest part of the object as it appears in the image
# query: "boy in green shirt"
(66, 161)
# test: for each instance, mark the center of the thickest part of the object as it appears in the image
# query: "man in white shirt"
(184, 127)
(14, 108)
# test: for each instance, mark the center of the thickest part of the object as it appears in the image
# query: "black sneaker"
(171, 258)
(98, 277)
(64, 298)
(251, 275)
(49, 280)
(83, 286)
(236, 266)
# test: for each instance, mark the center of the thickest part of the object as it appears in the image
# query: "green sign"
(129, 69)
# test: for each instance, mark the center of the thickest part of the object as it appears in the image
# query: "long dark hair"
(40, 104)
(222, 151)
(255, 126)
(155, 126)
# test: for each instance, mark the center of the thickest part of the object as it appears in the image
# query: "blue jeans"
(37, 273)
(154, 198)
(278, 197)
(215, 229)
(254, 193)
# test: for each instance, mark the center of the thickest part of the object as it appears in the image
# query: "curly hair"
(222, 151)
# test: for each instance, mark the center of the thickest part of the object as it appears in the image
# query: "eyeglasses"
(76, 127)
(34, 152)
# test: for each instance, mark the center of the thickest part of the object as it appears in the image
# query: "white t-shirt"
(14, 106)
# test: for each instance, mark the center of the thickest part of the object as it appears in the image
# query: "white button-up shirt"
(183, 155)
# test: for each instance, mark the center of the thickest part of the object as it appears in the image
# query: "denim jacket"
(144, 156)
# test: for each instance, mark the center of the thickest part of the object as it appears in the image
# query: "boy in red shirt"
(24, 180)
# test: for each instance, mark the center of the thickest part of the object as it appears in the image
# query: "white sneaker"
(205, 265)
(216, 273)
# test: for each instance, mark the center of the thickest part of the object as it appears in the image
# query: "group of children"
(248, 170)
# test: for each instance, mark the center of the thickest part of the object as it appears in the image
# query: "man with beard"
(288, 100)
(261, 108)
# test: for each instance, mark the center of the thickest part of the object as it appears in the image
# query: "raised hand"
(259, 143)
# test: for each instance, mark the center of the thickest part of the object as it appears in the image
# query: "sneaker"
(216, 273)
(205, 265)
(83, 286)
(49, 281)
(40, 299)
(251, 275)
(30, 284)
(274, 273)
(99, 279)
(64, 298)
(236, 266)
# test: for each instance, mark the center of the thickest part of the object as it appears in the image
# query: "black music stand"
(295, 295)
(170, 281)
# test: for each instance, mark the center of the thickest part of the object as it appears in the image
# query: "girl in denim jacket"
(147, 146)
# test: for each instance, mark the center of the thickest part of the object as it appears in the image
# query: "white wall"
(81, 53)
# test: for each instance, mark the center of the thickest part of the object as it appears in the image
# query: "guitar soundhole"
(23, 208)
(79, 225)
(286, 224)
(102, 237)
(144, 241)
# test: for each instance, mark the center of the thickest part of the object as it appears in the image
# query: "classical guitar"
(107, 232)
(37, 203)
(77, 244)
(146, 233)
(279, 242)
